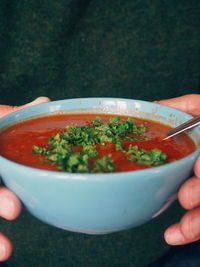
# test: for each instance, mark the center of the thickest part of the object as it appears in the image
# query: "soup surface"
(91, 143)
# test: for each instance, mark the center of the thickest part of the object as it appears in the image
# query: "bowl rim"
(68, 175)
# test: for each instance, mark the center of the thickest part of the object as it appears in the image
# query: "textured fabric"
(180, 256)
(78, 48)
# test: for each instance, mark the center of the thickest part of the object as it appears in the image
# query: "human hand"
(187, 230)
(6, 109)
(10, 205)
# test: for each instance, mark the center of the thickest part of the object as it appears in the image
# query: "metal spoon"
(183, 127)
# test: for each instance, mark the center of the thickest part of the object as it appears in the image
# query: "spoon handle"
(183, 127)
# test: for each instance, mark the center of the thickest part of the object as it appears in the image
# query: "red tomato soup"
(16, 141)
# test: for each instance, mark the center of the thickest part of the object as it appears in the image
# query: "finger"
(189, 194)
(39, 100)
(197, 167)
(190, 224)
(174, 236)
(188, 103)
(6, 109)
(10, 206)
(6, 247)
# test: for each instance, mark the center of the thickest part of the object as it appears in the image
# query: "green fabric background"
(80, 48)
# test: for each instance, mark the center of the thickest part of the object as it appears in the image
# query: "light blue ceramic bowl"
(99, 203)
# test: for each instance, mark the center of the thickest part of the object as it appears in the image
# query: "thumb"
(6, 109)
(39, 100)
(188, 103)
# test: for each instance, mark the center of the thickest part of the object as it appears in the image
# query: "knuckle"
(190, 224)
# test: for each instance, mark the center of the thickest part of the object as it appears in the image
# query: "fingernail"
(174, 237)
(7, 207)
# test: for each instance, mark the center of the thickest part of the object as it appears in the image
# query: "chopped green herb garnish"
(145, 157)
(39, 150)
(62, 153)
(79, 136)
(90, 151)
(105, 164)
(137, 130)
(76, 162)
(97, 122)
